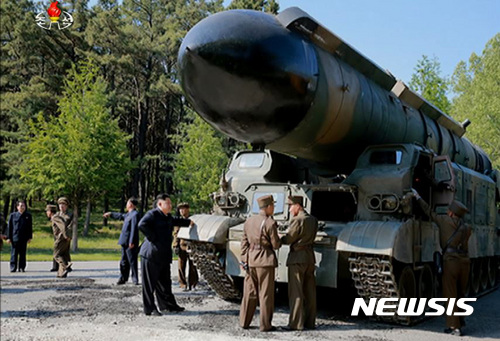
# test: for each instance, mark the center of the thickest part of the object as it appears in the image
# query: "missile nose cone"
(247, 75)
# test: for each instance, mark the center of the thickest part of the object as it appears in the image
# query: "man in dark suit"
(19, 234)
(301, 263)
(156, 257)
(129, 241)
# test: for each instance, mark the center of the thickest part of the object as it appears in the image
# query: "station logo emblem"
(54, 18)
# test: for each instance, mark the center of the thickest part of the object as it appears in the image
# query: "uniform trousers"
(455, 277)
(191, 279)
(128, 264)
(61, 255)
(302, 296)
(156, 281)
(258, 288)
(18, 255)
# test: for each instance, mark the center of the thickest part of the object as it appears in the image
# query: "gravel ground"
(89, 306)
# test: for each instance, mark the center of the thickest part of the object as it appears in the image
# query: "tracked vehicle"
(328, 124)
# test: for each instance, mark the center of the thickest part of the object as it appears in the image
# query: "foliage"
(477, 85)
(199, 164)
(270, 6)
(81, 153)
(426, 80)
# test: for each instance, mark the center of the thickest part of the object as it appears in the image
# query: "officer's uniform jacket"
(61, 226)
(20, 228)
(300, 237)
(459, 244)
(158, 228)
(260, 239)
(130, 230)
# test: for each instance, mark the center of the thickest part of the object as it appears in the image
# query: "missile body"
(289, 84)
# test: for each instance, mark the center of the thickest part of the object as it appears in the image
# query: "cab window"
(251, 160)
(278, 206)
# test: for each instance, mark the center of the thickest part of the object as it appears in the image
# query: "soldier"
(156, 257)
(180, 248)
(260, 239)
(19, 234)
(454, 236)
(301, 263)
(61, 227)
(129, 241)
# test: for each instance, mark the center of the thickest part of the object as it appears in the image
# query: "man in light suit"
(301, 263)
(129, 241)
(260, 239)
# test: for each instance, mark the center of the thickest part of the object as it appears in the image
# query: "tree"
(270, 6)
(199, 164)
(136, 44)
(81, 153)
(426, 80)
(34, 62)
(477, 86)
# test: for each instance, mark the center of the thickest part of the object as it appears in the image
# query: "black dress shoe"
(272, 329)
(13, 270)
(175, 309)
(154, 313)
(53, 270)
(120, 282)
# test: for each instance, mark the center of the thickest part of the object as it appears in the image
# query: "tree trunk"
(74, 242)
(87, 219)
(106, 209)
(6, 204)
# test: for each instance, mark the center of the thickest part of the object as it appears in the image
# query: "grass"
(100, 244)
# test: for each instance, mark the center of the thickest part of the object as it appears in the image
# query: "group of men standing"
(258, 245)
(260, 239)
(158, 226)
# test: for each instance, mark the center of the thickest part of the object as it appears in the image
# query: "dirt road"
(89, 306)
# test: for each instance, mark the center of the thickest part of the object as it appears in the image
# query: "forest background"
(96, 113)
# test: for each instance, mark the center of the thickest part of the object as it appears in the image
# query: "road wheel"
(475, 276)
(492, 271)
(426, 283)
(406, 286)
(484, 273)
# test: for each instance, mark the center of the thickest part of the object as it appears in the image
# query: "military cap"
(458, 208)
(63, 200)
(265, 201)
(183, 205)
(51, 208)
(295, 199)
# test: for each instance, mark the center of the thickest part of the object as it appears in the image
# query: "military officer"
(129, 241)
(301, 265)
(454, 236)
(260, 239)
(156, 257)
(19, 234)
(180, 247)
(61, 227)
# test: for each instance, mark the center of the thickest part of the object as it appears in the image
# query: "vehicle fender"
(390, 238)
(209, 228)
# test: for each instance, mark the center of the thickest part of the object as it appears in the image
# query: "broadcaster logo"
(409, 306)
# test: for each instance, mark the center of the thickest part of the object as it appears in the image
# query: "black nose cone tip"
(247, 75)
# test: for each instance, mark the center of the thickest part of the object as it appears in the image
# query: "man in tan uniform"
(61, 227)
(180, 248)
(260, 239)
(301, 263)
(454, 236)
